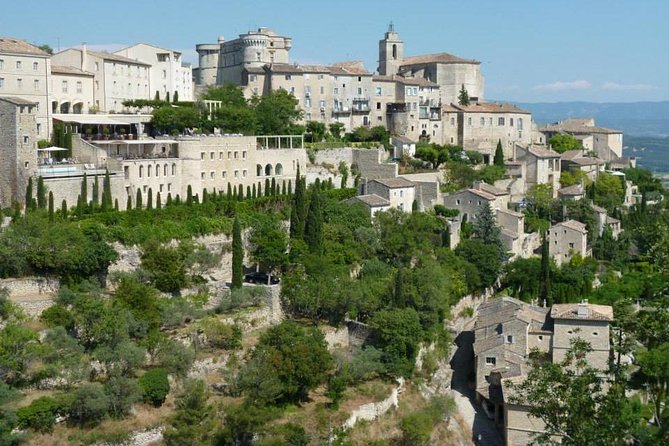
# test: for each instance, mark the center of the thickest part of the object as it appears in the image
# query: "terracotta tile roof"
(402, 139)
(351, 67)
(573, 190)
(490, 107)
(255, 70)
(571, 154)
(492, 190)
(59, 69)
(572, 224)
(284, 68)
(510, 212)
(541, 153)
(394, 183)
(18, 46)
(116, 58)
(482, 194)
(17, 101)
(436, 58)
(449, 108)
(587, 161)
(589, 311)
(372, 200)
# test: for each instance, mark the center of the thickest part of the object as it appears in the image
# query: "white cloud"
(627, 87)
(564, 86)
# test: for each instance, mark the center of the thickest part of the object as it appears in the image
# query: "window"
(253, 77)
(2, 64)
(202, 175)
(335, 91)
(35, 66)
(212, 155)
(224, 174)
(378, 106)
(201, 155)
(220, 155)
(490, 360)
(359, 91)
(229, 155)
(490, 121)
(541, 338)
(509, 339)
(307, 102)
(292, 91)
(510, 122)
(594, 333)
(141, 171)
(320, 77)
(322, 104)
(482, 122)
(164, 74)
(469, 121)
(212, 174)
(148, 171)
(236, 174)
(379, 91)
(359, 78)
(26, 139)
(97, 85)
(79, 87)
(97, 66)
(174, 171)
(289, 77)
(452, 122)
(18, 64)
(2, 82)
(236, 154)
(244, 155)
(36, 84)
(244, 173)
(500, 121)
(457, 202)
(19, 83)
(571, 246)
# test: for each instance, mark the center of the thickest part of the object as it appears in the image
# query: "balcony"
(340, 109)
(397, 107)
(361, 105)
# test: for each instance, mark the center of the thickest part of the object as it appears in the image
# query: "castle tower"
(391, 52)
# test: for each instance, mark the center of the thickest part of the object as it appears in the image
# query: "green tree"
(608, 191)
(561, 142)
(155, 386)
(237, 255)
(175, 98)
(499, 155)
(485, 228)
(41, 193)
(269, 245)
(51, 215)
(193, 419)
(295, 357)
(149, 199)
(399, 332)
(336, 130)
(63, 209)
(313, 228)
(316, 130)
(484, 257)
(165, 265)
(298, 212)
(138, 199)
(29, 195)
(276, 113)
(96, 193)
(89, 404)
(106, 193)
(463, 96)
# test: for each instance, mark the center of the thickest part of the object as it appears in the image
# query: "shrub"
(89, 404)
(442, 210)
(222, 335)
(155, 386)
(176, 358)
(40, 415)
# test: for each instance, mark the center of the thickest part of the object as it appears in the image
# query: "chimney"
(582, 311)
(84, 56)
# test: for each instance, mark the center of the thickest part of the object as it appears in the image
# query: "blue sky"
(531, 51)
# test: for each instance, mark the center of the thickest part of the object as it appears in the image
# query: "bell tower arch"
(391, 52)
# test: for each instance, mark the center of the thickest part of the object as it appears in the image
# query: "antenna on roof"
(391, 27)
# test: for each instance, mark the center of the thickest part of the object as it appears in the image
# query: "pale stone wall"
(69, 189)
(519, 425)
(596, 333)
(44, 287)
(371, 166)
(541, 341)
(18, 154)
(371, 411)
(564, 242)
(75, 89)
(482, 131)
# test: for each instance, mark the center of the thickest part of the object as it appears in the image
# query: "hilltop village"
(433, 257)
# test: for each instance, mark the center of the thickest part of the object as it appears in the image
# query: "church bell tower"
(391, 51)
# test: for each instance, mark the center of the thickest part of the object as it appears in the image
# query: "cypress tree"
(253, 191)
(446, 237)
(128, 204)
(248, 191)
(272, 187)
(268, 189)
(237, 255)
(63, 209)
(167, 96)
(499, 154)
(149, 199)
(329, 185)
(68, 142)
(116, 204)
(156, 97)
(299, 208)
(399, 288)
(259, 189)
(290, 187)
(29, 194)
(240, 192)
(545, 295)
(50, 206)
(80, 206)
(106, 192)
(169, 199)
(344, 180)
(96, 192)
(159, 203)
(138, 199)
(463, 96)
(16, 215)
(41, 193)
(313, 228)
(189, 195)
(177, 200)
(205, 195)
(229, 192)
(414, 206)
(84, 191)
(176, 96)
(283, 188)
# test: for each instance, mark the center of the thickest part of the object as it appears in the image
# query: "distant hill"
(633, 118)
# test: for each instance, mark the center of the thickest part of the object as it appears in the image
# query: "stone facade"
(24, 73)
(399, 192)
(71, 90)
(542, 166)
(566, 239)
(606, 143)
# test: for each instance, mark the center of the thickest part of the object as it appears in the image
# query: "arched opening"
(65, 107)
(174, 169)
(268, 170)
(165, 170)
(157, 170)
(258, 170)
(278, 170)
(148, 171)
(394, 51)
(78, 108)
(141, 171)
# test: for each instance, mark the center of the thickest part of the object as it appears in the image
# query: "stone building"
(372, 202)
(18, 147)
(399, 192)
(606, 143)
(542, 165)
(567, 239)
(72, 90)
(24, 74)
(115, 78)
(169, 74)
(507, 330)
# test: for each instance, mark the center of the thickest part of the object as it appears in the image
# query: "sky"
(530, 50)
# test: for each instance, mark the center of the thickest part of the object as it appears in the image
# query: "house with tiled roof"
(566, 239)
(372, 202)
(542, 165)
(507, 330)
(25, 72)
(605, 142)
(399, 192)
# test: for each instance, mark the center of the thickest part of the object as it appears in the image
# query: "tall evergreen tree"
(169, 199)
(68, 141)
(313, 228)
(398, 294)
(176, 97)
(290, 187)
(116, 204)
(50, 206)
(446, 237)
(84, 191)
(156, 97)
(189, 195)
(159, 203)
(96, 192)
(167, 96)
(253, 191)
(63, 209)
(499, 154)
(298, 209)
(545, 295)
(463, 96)
(268, 188)
(41, 193)
(138, 199)
(237, 255)
(486, 229)
(240, 192)
(283, 188)
(205, 195)
(106, 192)
(272, 187)
(149, 199)
(29, 194)
(128, 204)
(229, 192)
(16, 215)
(248, 191)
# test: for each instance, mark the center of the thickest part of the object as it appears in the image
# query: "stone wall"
(371, 164)
(30, 287)
(371, 411)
